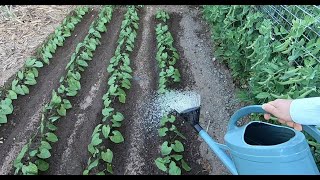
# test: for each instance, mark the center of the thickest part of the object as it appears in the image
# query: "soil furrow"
(213, 82)
(22, 123)
(129, 158)
(70, 153)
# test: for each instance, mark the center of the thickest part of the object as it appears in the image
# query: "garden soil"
(200, 72)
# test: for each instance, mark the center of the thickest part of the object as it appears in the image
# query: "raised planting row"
(270, 61)
(27, 76)
(167, 55)
(120, 74)
(171, 159)
(34, 154)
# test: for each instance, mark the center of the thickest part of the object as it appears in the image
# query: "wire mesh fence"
(291, 16)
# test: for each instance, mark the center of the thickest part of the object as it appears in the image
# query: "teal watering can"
(260, 148)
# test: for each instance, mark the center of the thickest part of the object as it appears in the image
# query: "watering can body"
(260, 148)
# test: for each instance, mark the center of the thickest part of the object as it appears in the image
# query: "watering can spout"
(192, 116)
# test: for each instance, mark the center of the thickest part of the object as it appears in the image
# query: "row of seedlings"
(120, 74)
(27, 76)
(171, 159)
(34, 154)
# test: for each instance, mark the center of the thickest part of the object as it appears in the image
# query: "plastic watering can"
(260, 148)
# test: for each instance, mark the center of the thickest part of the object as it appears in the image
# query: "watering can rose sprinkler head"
(192, 116)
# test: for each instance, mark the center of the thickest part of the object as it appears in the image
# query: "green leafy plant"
(32, 159)
(171, 160)
(27, 76)
(166, 56)
(269, 60)
(118, 82)
(162, 15)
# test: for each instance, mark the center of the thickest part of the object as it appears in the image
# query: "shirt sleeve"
(306, 111)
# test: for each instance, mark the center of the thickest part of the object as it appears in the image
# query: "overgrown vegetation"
(270, 61)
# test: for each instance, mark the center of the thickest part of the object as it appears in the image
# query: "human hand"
(280, 108)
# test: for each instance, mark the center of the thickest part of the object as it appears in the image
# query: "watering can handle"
(311, 130)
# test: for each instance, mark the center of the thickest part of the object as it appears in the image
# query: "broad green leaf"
(106, 131)
(112, 80)
(31, 169)
(54, 118)
(93, 164)
(12, 95)
(163, 120)
(122, 98)
(30, 62)
(25, 89)
(61, 89)
(45, 59)
(107, 111)
(162, 131)
(48, 54)
(21, 155)
(174, 169)
(96, 129)
(38, 64)
(185, 166)
(118, 117)
(33, 153)
(85, 172)
(91, 149)
(3, 119)
(110, 68)
(126, 68)
(45, 145)
(160, 164)
(44, 154)
(172, 119)
(107, 102)
(116, 124)
(117, 137)
(177, 157)
(6, 109)
(85, 56)
(129, 48)
(51, 137)
(30, 81)
(51, 127)
(92, 46)
(125, 84)
(113, 88)
(55, 98)
(67, 104)
(82, 63)
(165, 149)
(107, 156)
(42, 165)
(20, 75)
(109, 168)
(62, 111)
(72, 93)
(19, 90)
(96, 139)
(177, 146)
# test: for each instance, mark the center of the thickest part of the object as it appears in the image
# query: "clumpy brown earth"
(199, 70)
